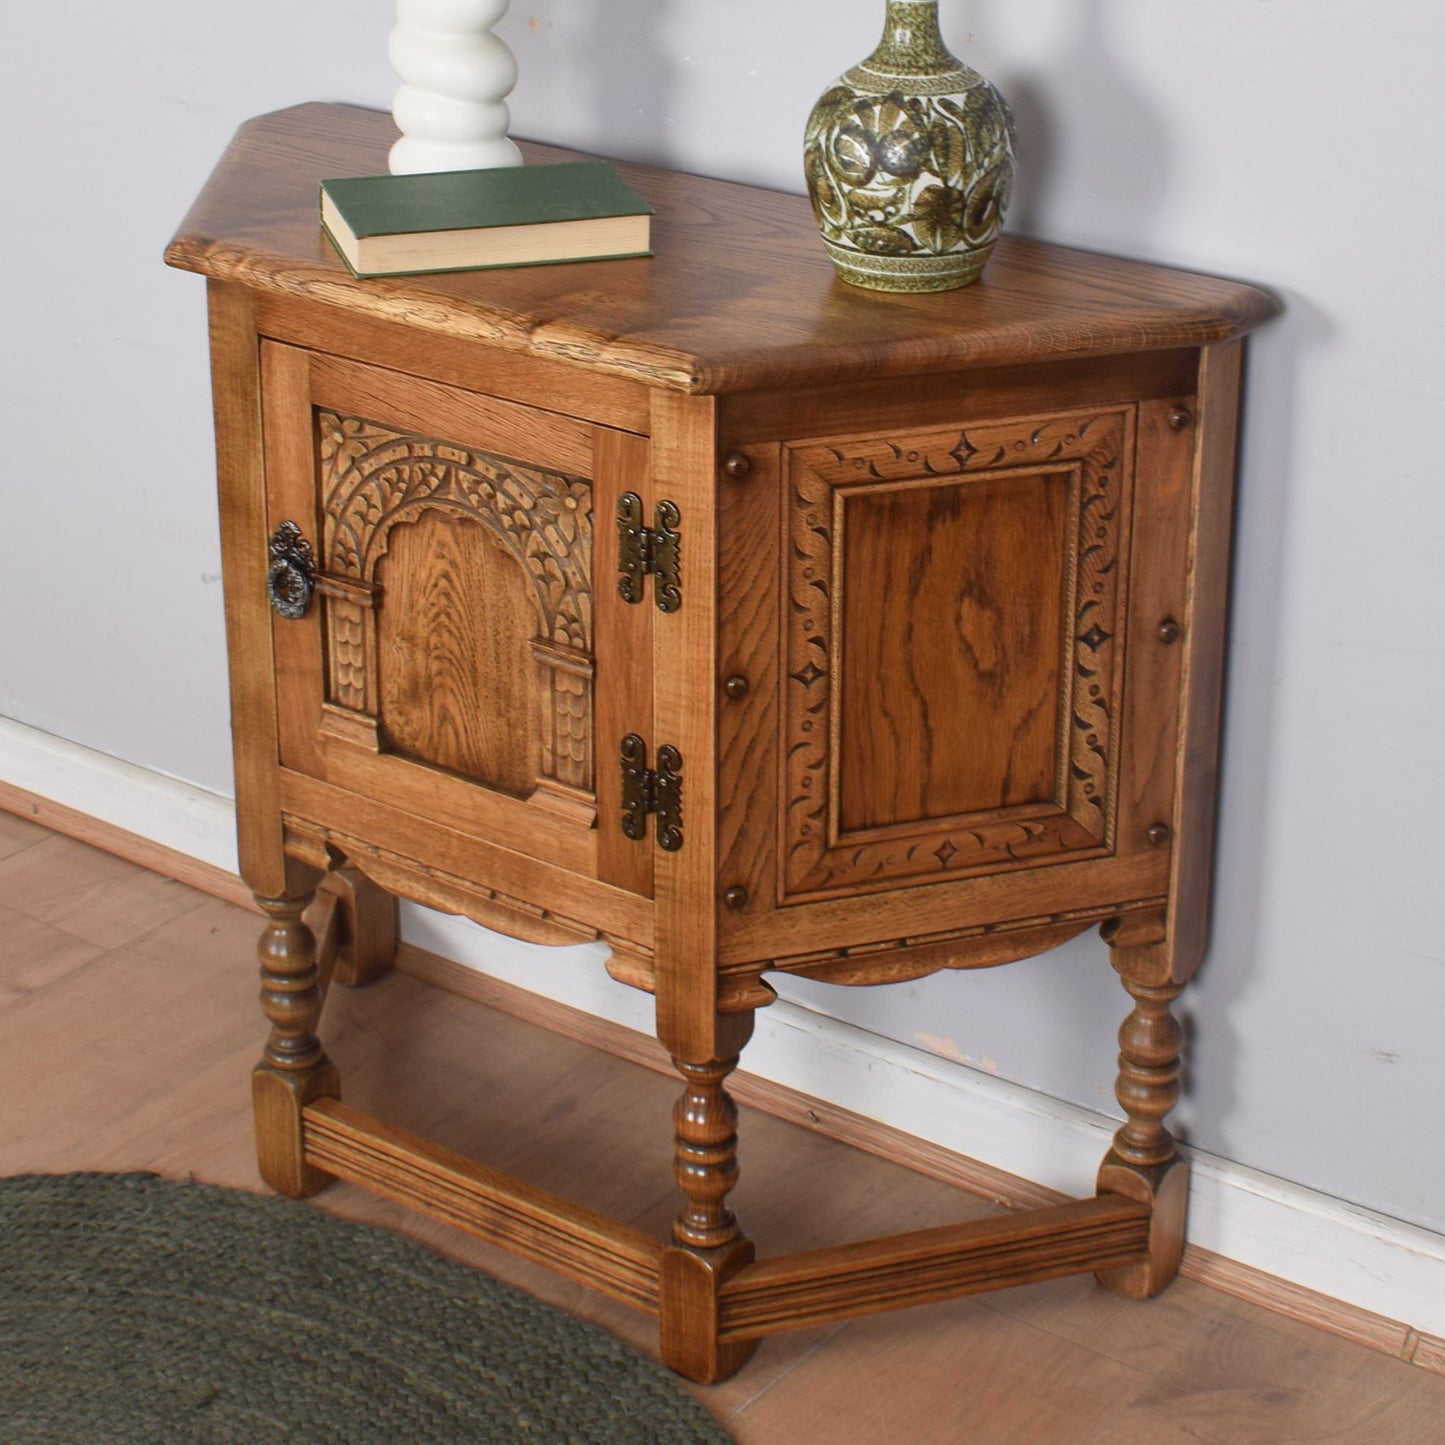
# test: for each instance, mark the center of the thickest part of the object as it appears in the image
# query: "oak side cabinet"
(745, 621)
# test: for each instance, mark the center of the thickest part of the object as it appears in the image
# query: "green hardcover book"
(462, 220)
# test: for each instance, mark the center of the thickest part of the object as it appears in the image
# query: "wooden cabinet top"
(738, 297)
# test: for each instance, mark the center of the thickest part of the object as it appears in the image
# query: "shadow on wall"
(1087, 132)
(1275, 361)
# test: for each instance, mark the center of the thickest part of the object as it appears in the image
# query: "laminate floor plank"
(17, 833)
(129, 1026)
(33, 954)
(134, 1025)
(942, 1374)
(93, 895)
(1255, 1378)
(1077, 1309)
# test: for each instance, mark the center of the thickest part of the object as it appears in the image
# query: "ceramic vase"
(909, 158)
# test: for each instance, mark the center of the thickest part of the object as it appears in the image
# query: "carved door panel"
(450, 665)
(953, 636)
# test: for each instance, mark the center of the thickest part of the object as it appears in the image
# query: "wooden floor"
(128, 1027)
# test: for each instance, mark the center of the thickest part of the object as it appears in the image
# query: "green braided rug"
(137, 1309)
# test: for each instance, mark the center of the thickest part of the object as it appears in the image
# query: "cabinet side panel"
(1158, 595)
(1206, 618)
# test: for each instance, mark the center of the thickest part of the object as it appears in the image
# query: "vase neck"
(912, 43)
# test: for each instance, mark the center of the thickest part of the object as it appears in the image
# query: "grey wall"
(1288, 143)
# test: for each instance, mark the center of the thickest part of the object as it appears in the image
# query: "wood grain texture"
(1245, 1366)
(531, 1222)
(909, 1269)
(953, 691)
(968, 575)
(241, 481)
(623, 686)
(462, 862)
(457, 684)
(334, 332)
(1202, 678)
(684, 663)
(365, 926)
(20, 808)
(762, 304)
(539, 434)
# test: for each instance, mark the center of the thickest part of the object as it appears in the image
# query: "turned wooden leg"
(355, 923)
(1143, 1162)
(294, 1070)
(708, 1246)
(705, 1125)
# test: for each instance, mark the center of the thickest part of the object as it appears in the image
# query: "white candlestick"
(455, 79)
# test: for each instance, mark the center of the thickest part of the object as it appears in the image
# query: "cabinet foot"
(277, 1100)
(688, 1313)
(1165, 1189)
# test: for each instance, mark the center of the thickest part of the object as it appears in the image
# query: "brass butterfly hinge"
(644, 552)
(652, 790)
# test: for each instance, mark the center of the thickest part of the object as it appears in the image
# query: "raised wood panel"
(949, 647)
(457, 683)
(954, 685)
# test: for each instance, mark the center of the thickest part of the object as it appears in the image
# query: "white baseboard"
(1355, 1255)
(136, 800)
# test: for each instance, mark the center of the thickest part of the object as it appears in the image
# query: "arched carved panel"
(375, 478)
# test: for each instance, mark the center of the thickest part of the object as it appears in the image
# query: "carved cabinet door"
(463, 556)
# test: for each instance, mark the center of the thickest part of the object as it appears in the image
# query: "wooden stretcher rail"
(528, 1221)
(932, 1264)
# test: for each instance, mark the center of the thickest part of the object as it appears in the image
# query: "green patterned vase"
(909, 158)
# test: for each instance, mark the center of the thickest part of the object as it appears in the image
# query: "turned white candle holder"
(455, 77)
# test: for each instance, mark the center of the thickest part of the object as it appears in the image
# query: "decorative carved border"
(1095, 449)
(374, 478)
